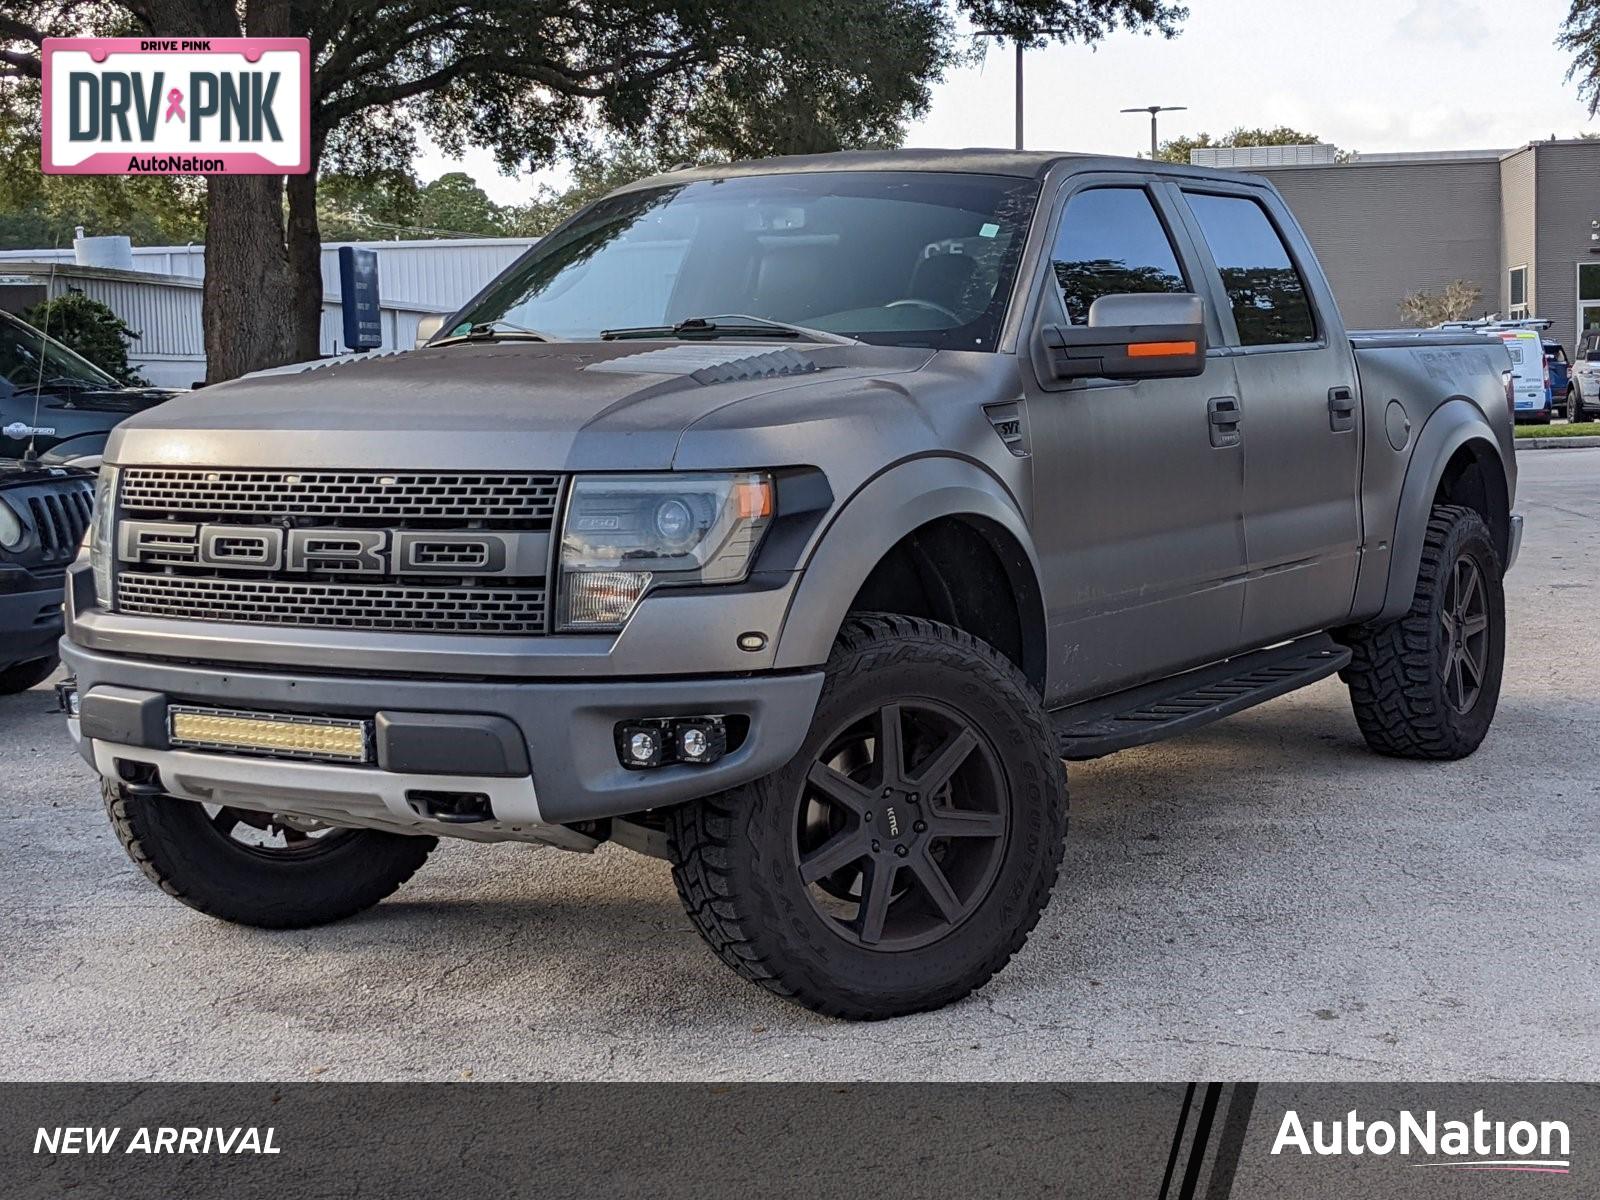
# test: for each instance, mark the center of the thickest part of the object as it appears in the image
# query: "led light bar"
(328, 739)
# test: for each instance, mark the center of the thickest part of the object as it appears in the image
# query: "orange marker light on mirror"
(1162, 349)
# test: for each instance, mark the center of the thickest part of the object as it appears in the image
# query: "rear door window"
(1112, 242)
(1271, 305)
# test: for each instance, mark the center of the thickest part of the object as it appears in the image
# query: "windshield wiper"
(485, 331)
(59, 383)
(729, 325)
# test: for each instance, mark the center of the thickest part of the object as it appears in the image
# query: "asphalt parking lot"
(1262, 900)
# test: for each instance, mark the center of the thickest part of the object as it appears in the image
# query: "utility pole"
(1019, 95)
(1021, 46)
(1156, 110)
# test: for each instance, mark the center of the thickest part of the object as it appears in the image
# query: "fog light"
(696, 741)
(701, 740)
(641, 746)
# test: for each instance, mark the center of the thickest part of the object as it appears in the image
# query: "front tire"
(1575, 411)
(252, 869)
(901, 858)
(1426, 686)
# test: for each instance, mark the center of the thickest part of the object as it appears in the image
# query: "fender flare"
(901, 499)
(1455, 423)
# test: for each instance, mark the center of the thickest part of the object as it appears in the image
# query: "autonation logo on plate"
(177, 106)
(1478, 1144)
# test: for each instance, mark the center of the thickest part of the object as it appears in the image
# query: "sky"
(1366, 75)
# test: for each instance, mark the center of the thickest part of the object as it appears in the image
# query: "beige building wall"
(1568, 202)
(1518, 189)
(1384, 229)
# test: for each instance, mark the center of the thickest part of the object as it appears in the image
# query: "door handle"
(1341, 409)
(1223, 414)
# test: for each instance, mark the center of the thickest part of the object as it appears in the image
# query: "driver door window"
(1111, 242)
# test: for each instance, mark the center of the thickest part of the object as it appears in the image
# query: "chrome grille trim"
(529, 499)
(317, 604)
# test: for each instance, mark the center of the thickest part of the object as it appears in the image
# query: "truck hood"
(493, 406)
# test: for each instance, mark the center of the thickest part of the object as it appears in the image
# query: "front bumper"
(30, 624)
(1514, 542)
(568, 728)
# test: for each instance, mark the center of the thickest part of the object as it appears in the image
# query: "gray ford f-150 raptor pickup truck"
(793, 521)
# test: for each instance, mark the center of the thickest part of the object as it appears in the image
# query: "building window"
(1519, 292)
(1588, 297)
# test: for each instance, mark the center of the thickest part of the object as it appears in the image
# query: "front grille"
(527, 501)
(59, 513)
(447, 598)
(334, 605)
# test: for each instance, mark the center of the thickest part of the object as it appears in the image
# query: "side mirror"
(1159, 335)
(427, 327)
(1592, 356)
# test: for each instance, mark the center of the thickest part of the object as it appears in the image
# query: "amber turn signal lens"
(753, 499)
(1162, 349)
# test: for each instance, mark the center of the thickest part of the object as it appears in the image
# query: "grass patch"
(1587, 429)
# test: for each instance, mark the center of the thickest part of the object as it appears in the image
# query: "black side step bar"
(1186, 702)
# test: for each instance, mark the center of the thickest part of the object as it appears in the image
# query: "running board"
(1187, 702)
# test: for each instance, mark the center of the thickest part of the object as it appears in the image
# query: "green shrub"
(90, 328)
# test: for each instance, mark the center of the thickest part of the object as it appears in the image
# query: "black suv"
(44, 511)
(56, 403)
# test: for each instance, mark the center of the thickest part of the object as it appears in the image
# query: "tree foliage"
(42, 210)
(1457, 300)
(1580, 36)
(1177, 149)
(596, 170)
(90, 328)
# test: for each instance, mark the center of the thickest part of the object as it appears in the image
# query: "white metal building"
(156, 290)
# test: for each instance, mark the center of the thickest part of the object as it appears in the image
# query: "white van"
(1524, 341)
(1528, 373)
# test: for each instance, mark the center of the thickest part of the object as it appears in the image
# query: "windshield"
(892, 257)
(27, 356)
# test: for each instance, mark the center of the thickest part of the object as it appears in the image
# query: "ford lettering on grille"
(352, 551)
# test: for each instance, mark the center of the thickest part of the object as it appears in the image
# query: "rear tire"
(21, 676)
(1426, 686)
(901, 858)
(186, 851)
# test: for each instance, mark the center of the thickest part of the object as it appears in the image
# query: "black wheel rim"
(902, 824)
(269, 835)
(1465, 618)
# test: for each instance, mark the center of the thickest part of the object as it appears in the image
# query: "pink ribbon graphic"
(174, 106)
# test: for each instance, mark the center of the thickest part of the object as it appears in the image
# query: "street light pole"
(1019, 95)
(1155, 110)
(1001, 35)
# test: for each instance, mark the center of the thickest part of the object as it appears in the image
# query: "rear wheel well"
(1474, 478)
(970, 573)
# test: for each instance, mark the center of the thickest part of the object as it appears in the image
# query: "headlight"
(626, 533)
(101, 524)
(10, 527)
